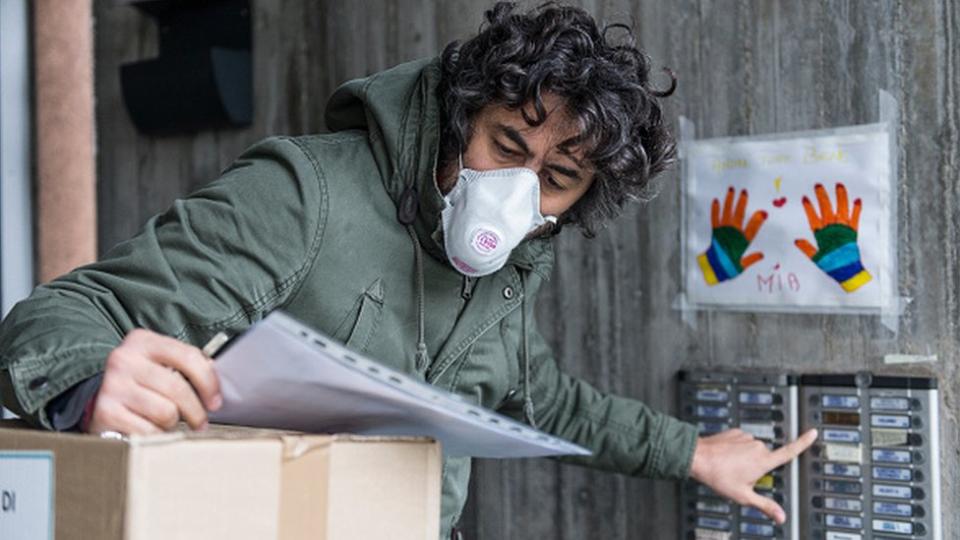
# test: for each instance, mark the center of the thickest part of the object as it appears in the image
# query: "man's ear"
(446, 176)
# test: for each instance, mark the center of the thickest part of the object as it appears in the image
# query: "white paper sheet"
(775, 173)
(282, 374)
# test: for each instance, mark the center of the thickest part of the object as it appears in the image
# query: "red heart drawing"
(780, 202)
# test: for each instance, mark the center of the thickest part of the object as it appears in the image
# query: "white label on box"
(897, 492)
(706, 411)
(760, 431)
(892, 473)
(753, 513)
(840, 402)
(889, 437)
(756, 529)
(891, 456)
(847, 453)
(892, 526)
(833, 535)
(26, 495)
(707, 534)
(890, 420)
(711, 395)
(716, 507)
(841, 435)
(892, 509)
(844, 522)
(839, 469)
(846, 505)
(756, 398)
(713, 523)
(890, 403)
(836, 486)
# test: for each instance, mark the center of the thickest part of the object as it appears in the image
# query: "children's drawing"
(724, 259)
(836, 253)
(792, 222)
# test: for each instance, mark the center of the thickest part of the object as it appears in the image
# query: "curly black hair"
(517, 57)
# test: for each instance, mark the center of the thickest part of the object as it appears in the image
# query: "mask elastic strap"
(460, 157)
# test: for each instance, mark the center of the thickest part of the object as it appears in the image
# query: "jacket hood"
(400, 111)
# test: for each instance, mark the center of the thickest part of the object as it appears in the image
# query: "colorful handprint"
(837, 253)
(724, 259)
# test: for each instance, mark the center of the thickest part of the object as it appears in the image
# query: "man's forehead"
(560, 128)
(555, 107)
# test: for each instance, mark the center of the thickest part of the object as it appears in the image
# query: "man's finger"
(174, 387)
(768, 506)
(113, 416)
(715, 214)
(131, 423)
(159, 410)
(189, 361)
(792, 449)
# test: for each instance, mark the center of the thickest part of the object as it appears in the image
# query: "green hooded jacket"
(310, 225)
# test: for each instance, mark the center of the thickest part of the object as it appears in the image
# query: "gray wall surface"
(745, 67)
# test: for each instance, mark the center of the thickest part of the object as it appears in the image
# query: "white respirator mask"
(488, 214)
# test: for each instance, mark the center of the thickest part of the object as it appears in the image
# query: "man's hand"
(731, 462)
(150, 382)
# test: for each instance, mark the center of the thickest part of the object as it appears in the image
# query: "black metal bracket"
(203, 76)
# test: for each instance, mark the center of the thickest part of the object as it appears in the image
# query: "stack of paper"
(281, 374)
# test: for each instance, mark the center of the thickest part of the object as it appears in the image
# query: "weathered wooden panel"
(745, 67)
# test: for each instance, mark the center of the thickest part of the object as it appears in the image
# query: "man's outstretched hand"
(731, 462)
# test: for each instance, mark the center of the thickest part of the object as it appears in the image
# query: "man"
(417, 232)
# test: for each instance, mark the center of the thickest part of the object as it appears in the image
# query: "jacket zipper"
(466, 290)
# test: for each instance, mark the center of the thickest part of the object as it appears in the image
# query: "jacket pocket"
(369, 311)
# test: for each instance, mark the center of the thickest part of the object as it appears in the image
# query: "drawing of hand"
(837, 253)
(724, 258)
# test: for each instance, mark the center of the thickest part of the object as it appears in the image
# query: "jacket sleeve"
(216, 260)
(625, 435)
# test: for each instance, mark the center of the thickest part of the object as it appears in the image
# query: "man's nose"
(535, 164)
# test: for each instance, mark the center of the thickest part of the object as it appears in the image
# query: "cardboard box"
(234, 483)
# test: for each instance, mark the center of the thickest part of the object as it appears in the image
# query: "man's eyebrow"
(518, 139)
(565, 147)
(572, 174)
(565, 150)
(515, 136)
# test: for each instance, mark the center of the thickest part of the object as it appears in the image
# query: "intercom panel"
(764, 405)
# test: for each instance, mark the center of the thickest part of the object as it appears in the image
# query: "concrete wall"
(745, 67)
